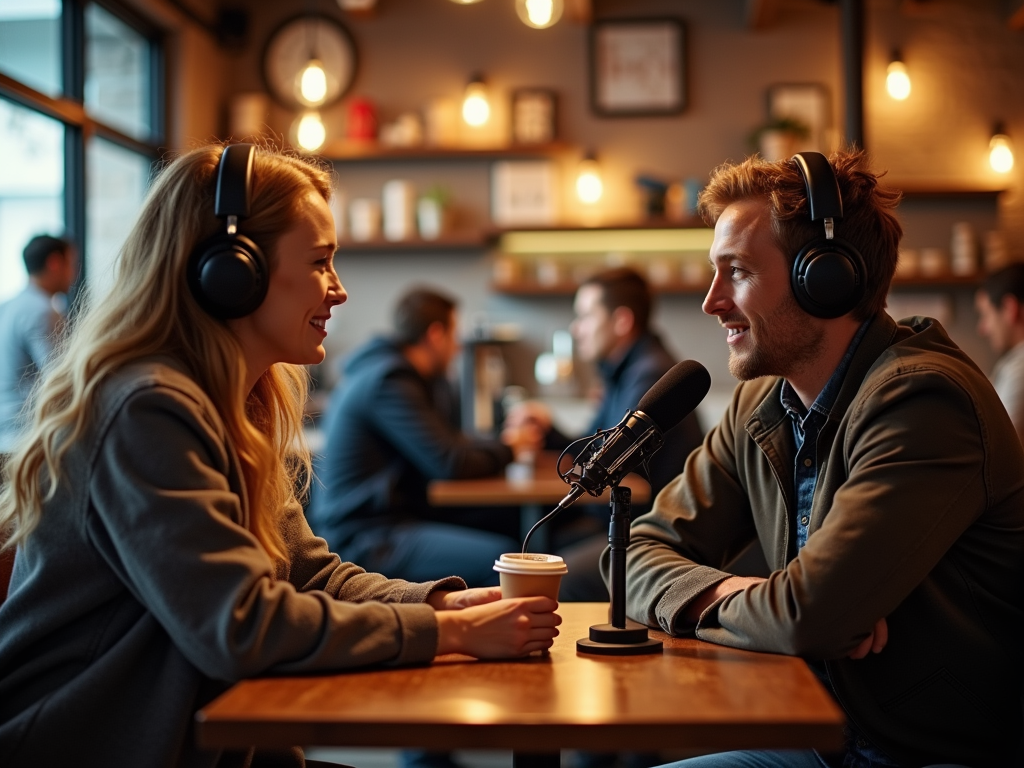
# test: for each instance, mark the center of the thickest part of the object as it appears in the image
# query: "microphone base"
(609, 640)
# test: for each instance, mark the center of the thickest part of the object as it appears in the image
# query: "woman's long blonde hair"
(150, 311)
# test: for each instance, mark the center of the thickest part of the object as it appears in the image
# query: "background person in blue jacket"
(391, 429)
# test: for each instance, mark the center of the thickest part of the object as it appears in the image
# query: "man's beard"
(784, 341)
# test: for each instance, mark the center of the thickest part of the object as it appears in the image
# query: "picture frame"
(524, 193)
(534, 116)
(808, 103)
(637, 67)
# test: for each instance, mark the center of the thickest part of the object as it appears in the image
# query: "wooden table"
(694, 696)
(535, 496)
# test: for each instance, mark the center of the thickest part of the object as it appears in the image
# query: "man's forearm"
(712, 595)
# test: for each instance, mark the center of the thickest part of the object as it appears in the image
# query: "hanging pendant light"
(476, 108)
(309, 131)
(539, 14)
(897, 79)
(1000, 150)
(589, 186)
(312, 84)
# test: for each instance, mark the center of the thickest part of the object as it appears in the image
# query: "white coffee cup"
(530, 575)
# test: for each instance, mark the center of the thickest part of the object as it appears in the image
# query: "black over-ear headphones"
(828, 274)
(227, 273)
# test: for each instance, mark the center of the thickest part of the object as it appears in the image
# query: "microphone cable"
(569, 478)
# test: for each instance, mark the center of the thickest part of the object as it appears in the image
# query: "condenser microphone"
(642, 431)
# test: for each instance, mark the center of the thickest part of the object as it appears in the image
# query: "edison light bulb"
(897, 81)
(1000, 153)
(589, 186)
(313, 84)
(310, 133)
(476, 110)
(539, 14)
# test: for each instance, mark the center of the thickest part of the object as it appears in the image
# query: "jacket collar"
(612, 372)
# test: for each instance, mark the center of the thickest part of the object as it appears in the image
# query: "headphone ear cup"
(828, 278)
(228, 276)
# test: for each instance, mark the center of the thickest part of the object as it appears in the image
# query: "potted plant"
(431, 212)
(779, 138)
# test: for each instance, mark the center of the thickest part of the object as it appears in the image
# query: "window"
(81, 86)
(117, 183)
(117, 73)
(31, 186)
(30, 43)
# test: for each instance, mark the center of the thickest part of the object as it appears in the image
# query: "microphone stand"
(620, 637)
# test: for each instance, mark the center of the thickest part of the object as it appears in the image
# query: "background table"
(694, 696)
(535, 496)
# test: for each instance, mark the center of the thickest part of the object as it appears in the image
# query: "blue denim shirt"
(807, 424)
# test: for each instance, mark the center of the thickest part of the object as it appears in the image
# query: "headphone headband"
(823, 196)
(234, 177)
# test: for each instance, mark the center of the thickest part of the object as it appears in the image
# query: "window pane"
(117, 180)
(117, 84)
(30, 49)
(31, 187)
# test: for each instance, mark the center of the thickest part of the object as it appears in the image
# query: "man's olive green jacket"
(917, 517)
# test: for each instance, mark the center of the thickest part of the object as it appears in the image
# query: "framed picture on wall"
(534, 116)
(808, 104)
(637, 67)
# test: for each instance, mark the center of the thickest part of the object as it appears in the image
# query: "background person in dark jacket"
(391, 430)
(612, 330)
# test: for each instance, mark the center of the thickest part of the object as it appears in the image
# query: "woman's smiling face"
(289, 326)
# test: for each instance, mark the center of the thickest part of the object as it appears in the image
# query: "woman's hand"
(463, 598)
(499, 629)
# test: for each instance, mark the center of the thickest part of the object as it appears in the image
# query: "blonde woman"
(161, 547)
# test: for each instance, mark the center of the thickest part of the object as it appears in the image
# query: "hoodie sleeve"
(168, 521)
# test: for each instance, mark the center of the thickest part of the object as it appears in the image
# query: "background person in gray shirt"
(1000, 304)
(28, 326)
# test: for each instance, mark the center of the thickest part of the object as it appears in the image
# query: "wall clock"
(294, 45)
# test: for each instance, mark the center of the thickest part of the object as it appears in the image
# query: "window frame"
(79, 126)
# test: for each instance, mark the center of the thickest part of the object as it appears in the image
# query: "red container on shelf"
(362, 120)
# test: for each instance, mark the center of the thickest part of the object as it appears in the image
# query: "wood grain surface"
(695, 695)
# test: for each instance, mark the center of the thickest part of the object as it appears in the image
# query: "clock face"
(290, 50)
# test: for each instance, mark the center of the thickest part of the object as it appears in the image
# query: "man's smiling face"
(768, 333)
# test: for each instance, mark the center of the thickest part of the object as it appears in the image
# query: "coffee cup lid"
(530, 563)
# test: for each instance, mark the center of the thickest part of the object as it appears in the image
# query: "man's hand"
(873, 643)
(530, 412)
(463, 598)
(499, 630)
(713, 594)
